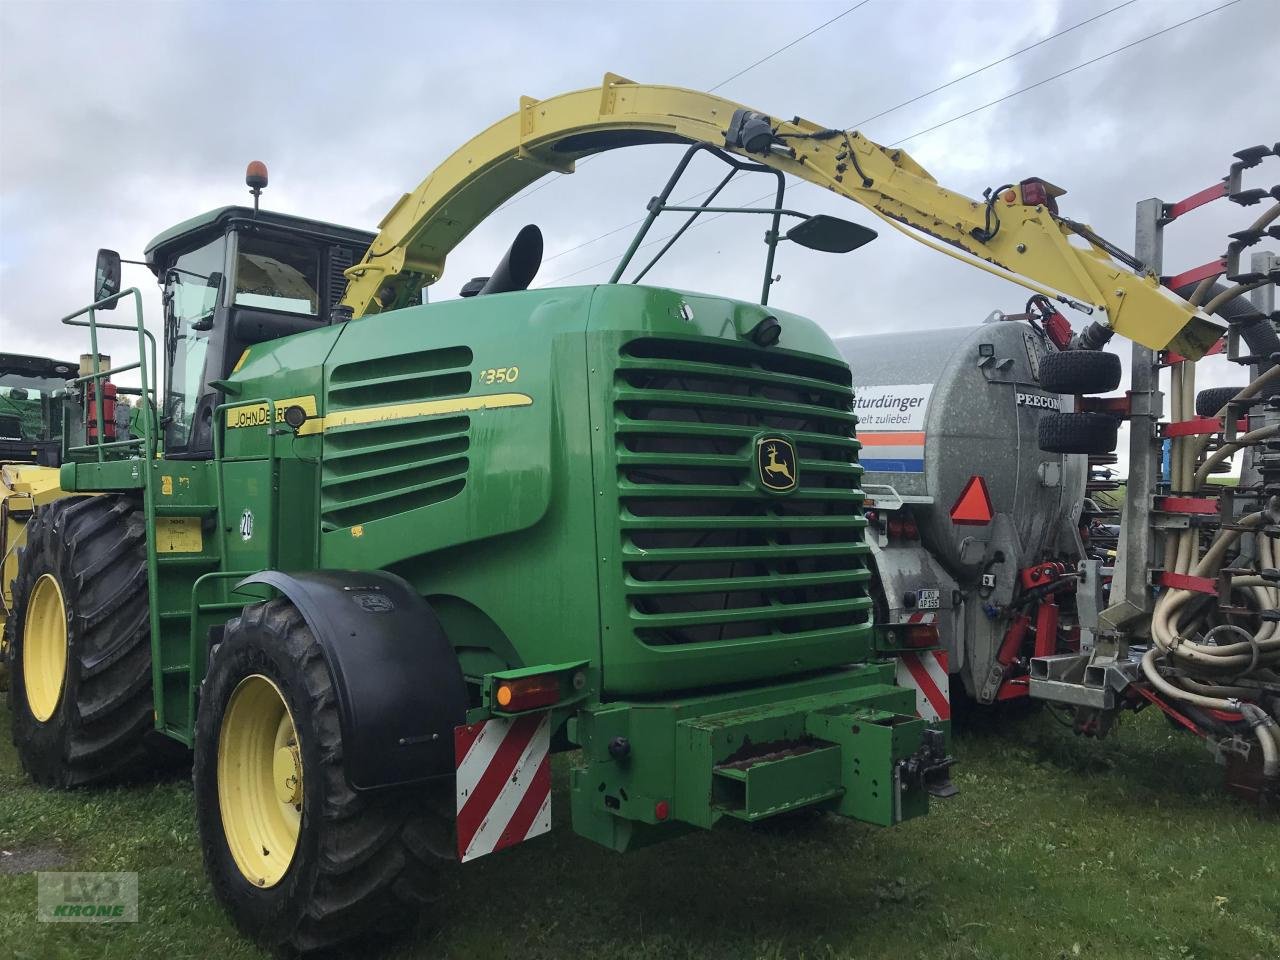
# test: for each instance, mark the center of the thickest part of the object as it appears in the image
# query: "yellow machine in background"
(30, 446)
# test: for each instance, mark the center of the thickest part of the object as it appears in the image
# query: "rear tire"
(1080, 372)
(80, 654)
(1089, 433)
(357, 860)
(1209, 402)
(6, 643)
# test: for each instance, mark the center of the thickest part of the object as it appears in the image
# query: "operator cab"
(31, 397)
(232, 278)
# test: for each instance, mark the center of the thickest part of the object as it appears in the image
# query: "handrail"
(149, 384)
(195, 613)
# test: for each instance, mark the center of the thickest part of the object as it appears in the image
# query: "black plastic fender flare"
(399, 684)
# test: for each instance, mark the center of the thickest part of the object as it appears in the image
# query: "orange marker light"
(528, 693)
(922, 635)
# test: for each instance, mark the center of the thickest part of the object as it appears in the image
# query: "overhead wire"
(883, 113)
(937, 126)
(1070, 70)
(747, 69)
(995, 63)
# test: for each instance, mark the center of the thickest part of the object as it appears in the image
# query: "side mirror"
(106, 278)
(830, 234)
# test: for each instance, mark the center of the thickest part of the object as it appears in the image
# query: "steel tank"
(943, 411)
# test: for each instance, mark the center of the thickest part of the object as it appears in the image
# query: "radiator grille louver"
(707, 555)
(388, 466)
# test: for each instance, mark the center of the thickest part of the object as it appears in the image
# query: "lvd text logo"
(87, 897)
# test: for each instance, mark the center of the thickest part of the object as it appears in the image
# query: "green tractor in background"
(31, 397)
(375, 571)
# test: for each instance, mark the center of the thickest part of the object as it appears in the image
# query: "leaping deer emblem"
(775, 466)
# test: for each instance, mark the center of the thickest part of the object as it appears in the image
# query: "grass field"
(1056, 848)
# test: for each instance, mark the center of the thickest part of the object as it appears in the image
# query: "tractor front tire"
(80, 648)
(299, 859)
(1080, 372)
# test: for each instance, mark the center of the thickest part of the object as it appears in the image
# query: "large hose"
(1190, 660)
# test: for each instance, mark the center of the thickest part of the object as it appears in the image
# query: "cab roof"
(36, 366)
(215, 221)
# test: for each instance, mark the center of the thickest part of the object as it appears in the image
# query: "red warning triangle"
(973, 506)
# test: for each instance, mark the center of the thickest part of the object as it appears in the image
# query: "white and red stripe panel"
(926, 673)
(504, 783)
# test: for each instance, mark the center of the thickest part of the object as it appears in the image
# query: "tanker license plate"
(928, 599)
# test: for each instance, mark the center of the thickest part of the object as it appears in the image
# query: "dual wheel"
(300, 860)
(1079, 372)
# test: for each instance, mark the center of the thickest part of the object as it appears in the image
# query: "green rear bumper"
(847, 742)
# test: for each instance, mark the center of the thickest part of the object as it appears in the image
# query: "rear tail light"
(895, 529)
(922, 635)
(1040, 193)
(910, 530)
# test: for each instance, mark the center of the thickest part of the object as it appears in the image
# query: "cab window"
(191, 292)
(277, 276)
(28, 408)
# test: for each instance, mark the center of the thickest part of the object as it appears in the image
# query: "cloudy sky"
(121, 118)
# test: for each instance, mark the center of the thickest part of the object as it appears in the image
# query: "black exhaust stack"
(516, 270)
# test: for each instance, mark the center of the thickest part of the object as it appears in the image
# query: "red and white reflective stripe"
(504, 783)
(922, 618)
(926, 673)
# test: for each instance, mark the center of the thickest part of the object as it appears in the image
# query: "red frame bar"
(1174, 210)
(1013, 640)
(1198, 505)
(1046, 644)
(1015, 688)
(1186, 428)
(1168, 710)
(1226, 716)
(1169, 358)
(1211, 269)
(1116, 406)
(1184, 581)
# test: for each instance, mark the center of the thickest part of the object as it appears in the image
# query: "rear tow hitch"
(929, 767)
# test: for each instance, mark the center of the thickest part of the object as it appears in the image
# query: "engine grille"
(387, 465)
(708, 556)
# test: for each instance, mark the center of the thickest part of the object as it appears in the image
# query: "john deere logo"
(776, 464)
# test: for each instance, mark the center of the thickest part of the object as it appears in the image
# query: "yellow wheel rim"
(260, 781)
(44, 647)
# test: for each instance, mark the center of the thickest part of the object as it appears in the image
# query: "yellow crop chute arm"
(1022, 242)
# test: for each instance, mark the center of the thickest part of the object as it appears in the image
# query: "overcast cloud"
(121, 118)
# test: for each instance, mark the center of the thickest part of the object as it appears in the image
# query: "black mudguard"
(399, 684)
